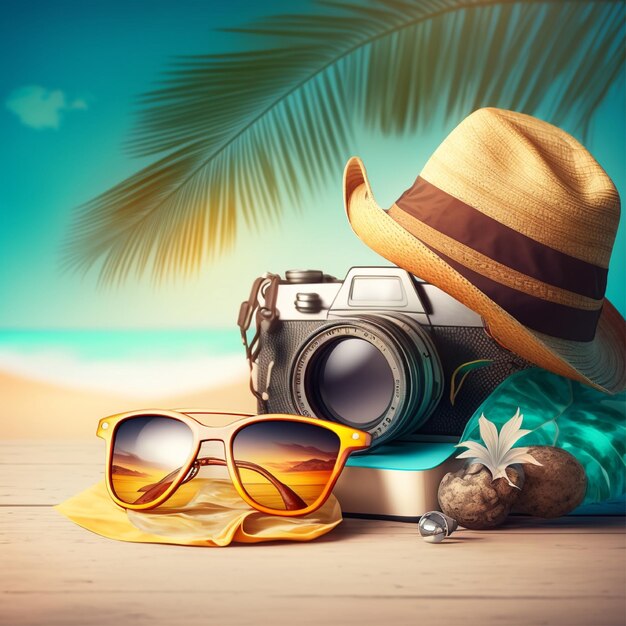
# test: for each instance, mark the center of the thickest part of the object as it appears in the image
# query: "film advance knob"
(308, 302)
(304, 276)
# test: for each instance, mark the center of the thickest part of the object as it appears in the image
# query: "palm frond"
(243, 133)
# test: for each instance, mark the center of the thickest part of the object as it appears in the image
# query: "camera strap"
(260, 306)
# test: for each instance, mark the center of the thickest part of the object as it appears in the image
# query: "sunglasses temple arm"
(291, 500)
(153, 491)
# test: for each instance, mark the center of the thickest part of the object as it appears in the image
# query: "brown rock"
(475, 500)
(553, 489)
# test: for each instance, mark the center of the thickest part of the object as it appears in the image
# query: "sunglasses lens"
(285, 465)
(149, 453)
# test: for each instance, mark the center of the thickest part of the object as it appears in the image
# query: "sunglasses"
(279, 464)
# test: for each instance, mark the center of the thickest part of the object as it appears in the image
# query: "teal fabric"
(559, 412)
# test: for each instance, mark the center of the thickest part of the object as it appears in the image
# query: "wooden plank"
(45, 484)
(278, 608)
(48, 472)
(50, 484)
(40, 473)
(569, 571)
(56, 570)
(37, 451)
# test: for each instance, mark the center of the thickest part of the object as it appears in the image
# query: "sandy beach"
(44, 410)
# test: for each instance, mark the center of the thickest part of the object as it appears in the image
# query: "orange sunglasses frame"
(350, 440)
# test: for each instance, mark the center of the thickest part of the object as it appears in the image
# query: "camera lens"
(379, 373)
(354, 381)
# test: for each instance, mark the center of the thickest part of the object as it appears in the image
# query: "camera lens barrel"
(428, 381)
(378, 373)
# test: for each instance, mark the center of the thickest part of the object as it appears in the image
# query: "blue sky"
(67, 91)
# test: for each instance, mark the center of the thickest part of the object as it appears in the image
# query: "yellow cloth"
(214, 516)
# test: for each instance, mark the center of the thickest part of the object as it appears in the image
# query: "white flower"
(498, 452)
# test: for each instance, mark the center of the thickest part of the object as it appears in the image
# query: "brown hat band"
(551, 318)
(579, 286)
(499, 242)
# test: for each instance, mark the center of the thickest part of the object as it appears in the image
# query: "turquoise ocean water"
(124, 344)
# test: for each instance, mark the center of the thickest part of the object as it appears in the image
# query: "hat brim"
(600, 363)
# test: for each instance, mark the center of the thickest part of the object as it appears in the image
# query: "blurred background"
(132, 226)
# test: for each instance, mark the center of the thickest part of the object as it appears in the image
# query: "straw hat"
(515, 219)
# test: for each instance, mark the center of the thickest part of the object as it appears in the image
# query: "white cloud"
(39, 107)
(80, 104)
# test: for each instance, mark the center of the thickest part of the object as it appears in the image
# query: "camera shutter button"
(308, 302)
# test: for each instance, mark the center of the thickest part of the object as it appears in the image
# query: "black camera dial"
(308, 302)
(304, 276)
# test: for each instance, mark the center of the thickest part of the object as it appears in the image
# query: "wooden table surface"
(569, 571)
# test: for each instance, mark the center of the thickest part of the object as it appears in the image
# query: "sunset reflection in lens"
(149, 452)
(285, 465)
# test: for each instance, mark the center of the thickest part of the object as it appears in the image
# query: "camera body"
(382, 351)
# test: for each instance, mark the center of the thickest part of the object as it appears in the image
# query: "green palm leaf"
(244, 133)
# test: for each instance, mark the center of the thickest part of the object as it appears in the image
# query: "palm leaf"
(239, 135)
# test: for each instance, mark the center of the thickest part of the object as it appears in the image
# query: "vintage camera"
(382, 351)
